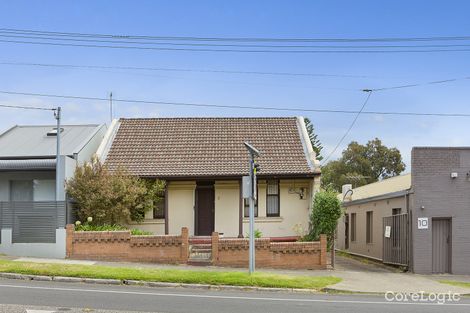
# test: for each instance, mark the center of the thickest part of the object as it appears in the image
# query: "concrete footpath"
(356, 275)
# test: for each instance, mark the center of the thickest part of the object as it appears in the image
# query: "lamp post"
(57, 115)
(254, 153)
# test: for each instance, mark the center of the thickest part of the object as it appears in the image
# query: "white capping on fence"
(41, 250)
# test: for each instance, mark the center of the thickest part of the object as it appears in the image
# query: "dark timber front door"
(205, 205)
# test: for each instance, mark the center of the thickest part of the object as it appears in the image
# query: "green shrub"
(112, 197)
(325, 214)
(104, 227)
(258, 234)
(107, 227)
(139, 232)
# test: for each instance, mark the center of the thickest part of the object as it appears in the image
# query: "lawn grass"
(169, 275)
(456, 283)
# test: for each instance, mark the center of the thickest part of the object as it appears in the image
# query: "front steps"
(200, 251)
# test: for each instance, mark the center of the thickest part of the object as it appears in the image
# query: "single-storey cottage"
(203, 161)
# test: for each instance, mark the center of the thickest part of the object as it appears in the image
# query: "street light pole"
(57, 114)
(254, 153)
(252, 217)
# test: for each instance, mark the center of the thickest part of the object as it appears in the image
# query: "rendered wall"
(43, 188)
(40, 250)
(380, 209)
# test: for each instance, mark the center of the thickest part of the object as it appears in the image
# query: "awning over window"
(28, 164)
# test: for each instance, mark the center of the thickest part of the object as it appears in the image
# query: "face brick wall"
(437, 195)
(288, 255)
(121, 246)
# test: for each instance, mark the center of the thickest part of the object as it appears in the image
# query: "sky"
(257, 19)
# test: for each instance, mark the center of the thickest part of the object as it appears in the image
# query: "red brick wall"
(288, 255)
(121, 246)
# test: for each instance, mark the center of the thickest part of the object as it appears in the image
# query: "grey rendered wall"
(44, 188)
(441, 196)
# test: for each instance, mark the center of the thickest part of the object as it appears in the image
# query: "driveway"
(372, 277)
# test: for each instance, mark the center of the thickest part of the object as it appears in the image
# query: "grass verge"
(165, 275)
(456, 283)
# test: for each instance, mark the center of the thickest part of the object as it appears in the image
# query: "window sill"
(149, 222)
(265, 219)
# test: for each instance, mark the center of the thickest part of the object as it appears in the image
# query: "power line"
(234, 50)
(238, 39)
(120, 41)
(184, 70)
(285, 109)
(369, 93)
(26, 107)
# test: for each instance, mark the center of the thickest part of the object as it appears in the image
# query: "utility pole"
(57, 115)
(251, 195)
(111, 106)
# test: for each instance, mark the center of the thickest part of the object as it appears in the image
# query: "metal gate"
(33, 221)
(396, 247)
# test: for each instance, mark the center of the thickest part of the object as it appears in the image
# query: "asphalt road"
(20, 296)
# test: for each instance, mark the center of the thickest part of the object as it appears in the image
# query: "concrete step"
(201, 250)
(200, 256)
(199, 262)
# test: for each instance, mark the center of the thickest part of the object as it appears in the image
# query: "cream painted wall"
(381, 208)
(294, 212)
(227, 199)
(181, 206)
(293, 220)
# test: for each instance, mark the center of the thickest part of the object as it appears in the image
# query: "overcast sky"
(279, 19)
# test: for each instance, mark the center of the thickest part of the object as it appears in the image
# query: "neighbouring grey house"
(32, 216)
(419, 220)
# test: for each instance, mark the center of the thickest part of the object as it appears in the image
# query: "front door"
(205, 205)
(441, 245)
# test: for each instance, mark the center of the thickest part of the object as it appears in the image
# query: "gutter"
(27, 164)
(386, 196)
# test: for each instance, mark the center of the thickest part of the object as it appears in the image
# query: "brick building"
(420, 220)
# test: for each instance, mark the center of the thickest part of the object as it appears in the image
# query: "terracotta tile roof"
(201, 147)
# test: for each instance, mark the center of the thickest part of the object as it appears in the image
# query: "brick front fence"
(122, 246)
(288, 255)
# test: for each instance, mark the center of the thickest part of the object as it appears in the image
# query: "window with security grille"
(272, 198)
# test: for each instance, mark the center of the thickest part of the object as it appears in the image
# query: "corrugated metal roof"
(32, 141)
(383, 187)
(29, 164)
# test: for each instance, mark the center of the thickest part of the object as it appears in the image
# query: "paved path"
(52, 296)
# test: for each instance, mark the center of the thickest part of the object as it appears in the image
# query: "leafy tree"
(316, 144)
(325, 214)
(363, 164)
(111, 197)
